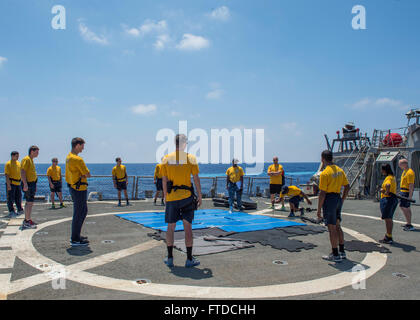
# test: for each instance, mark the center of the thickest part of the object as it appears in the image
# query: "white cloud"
(143, 109)
(2, 60)
(191, 42)
(379, 103)
(215, 94)
(221, 13)
(148, 27)
(90, 36)
(175, 113)
(161, 41)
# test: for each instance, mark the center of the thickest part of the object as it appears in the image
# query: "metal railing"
(138, 187)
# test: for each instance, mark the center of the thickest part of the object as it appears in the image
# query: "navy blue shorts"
(295, 200)
(388, 206)
(30, 194)
(179, 210)
(275, 188)
(122, 185)
(405, 203)
(57, 186)
(332, 208)
(159, 186)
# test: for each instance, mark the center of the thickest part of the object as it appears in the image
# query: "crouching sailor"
(295, 195)
(234, 184)
(181, 202)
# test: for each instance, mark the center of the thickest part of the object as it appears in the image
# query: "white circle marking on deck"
(28, 253)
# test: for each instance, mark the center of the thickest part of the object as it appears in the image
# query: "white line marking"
(377, 218)
(373, 261)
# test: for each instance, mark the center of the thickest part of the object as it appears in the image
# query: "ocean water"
(300, 172)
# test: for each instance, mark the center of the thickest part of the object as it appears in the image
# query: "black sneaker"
(84, 238)
(81, 243)
(291, 215)
(332, 257)
(408, 227)
(302, 212)
(386, 240)
(343, 255)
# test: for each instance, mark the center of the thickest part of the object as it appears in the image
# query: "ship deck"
(31, 259)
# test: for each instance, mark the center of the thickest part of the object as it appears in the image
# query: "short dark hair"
(54, 160)
(387, 168)
(285, 190)
(118, 159)
(32, 148)
(13, 153)
(77, 141)
(327, 155)
(180, 138)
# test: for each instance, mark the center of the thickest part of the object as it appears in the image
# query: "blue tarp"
(212, 218)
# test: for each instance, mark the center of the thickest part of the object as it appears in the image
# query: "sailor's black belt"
(405, 189)
(15, 180)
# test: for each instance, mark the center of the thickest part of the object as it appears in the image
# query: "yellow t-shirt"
(235, 174)
(28, 165)
(54, 173)
(293, 192)
(120, 173)
(178, 167)
(276, 179)
(75, 169)
(12, 169)
(407, 178)
(391, 181)
(158, 171)
(332, 179)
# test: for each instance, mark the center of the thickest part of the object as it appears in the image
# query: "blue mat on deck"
(212, 218)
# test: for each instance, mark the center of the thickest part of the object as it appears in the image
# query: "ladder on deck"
(356, 172)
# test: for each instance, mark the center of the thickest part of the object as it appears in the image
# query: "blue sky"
(122, 70)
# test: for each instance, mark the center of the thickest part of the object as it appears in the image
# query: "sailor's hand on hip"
(25, 187)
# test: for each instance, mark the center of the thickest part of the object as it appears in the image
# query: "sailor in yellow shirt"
(13, 189)
(234, 184)
(389, 201)
(276, 173)
(76, 178)
(177, 169)
(119, 176)
(157, 180)
(295, 196)
(406, 190)
(29, 180)
(55, 181)
(331, 180)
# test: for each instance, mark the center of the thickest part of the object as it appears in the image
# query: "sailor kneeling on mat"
(295, 195)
